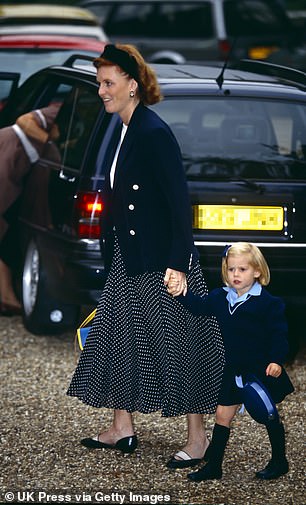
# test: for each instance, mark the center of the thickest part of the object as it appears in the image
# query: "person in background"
(144, 352)
(21, 146)
(254, 330)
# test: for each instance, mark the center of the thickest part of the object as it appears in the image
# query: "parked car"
(49, 19)
(26, 54)
(243, 140)
(202, 30)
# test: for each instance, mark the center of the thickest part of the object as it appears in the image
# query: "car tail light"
(88, 208)
(224, 48)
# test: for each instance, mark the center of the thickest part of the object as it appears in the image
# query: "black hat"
(257, 399)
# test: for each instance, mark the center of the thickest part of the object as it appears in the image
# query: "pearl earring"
(132, 93)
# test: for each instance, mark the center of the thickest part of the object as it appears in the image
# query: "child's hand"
(274, 370)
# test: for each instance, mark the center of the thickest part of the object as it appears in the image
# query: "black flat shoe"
(186, 461)
(126, 444)
(273, 470)
(205, 473)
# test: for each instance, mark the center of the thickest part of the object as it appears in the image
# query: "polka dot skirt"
(145, 352)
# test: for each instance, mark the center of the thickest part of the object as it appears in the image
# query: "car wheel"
(42, 314)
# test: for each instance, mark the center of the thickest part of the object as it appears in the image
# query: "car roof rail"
(75, 57)
(271, 69)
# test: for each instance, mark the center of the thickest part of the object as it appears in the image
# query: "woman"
(145, 352)
(21, 145)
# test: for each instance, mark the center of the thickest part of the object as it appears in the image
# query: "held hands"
(274, 370)
(175, 282)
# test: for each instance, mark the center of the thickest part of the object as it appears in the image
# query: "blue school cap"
(257, 399)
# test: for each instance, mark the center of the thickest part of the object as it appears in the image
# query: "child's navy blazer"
(254, 335)
(148, 206)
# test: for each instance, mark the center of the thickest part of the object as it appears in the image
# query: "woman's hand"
(175, 282)
(274, 370)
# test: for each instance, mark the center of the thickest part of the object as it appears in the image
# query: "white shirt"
(232, 295)
(113, 167)
(234, 301)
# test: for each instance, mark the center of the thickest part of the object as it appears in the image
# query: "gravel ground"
(41, 428)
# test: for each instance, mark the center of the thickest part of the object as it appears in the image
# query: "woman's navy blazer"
(148, 206)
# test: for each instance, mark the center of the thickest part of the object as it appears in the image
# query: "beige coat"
(15, 163)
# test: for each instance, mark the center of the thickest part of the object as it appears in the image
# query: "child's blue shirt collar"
(232, 295)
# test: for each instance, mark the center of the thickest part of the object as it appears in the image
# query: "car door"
(58, 171)
(51, 248)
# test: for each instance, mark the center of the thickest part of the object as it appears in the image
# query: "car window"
(164, 19)
(184, 20)
(38, 92)
(8, 84)
(239, 138)
(77, 109)
(253, 17)
(75, 122)
(29, 61)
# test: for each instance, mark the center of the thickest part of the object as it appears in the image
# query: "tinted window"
(184, 20)
(253, 17)
(26, 97)
(239, 138)
(77, 110)
(75, 122)
(7, 85)
(165, 19)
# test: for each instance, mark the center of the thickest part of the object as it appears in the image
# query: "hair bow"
(225, 250)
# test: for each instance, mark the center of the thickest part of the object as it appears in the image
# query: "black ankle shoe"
(126, 444)
(273, 470)
(205, 473)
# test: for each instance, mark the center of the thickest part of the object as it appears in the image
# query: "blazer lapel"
(124, 149)
(128, 141)
(111, 153)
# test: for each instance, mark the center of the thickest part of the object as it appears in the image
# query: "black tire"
(42, 314)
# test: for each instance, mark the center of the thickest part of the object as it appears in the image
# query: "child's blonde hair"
(257, 261)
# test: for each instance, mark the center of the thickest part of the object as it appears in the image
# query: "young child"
(254, 330)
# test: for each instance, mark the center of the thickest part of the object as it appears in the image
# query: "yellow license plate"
(232, 217)
(261, 52)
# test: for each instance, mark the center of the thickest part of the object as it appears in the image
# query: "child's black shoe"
(208, 472)
(273, 470)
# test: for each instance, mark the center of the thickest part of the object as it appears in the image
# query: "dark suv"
(203, 30)
(243, 140)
